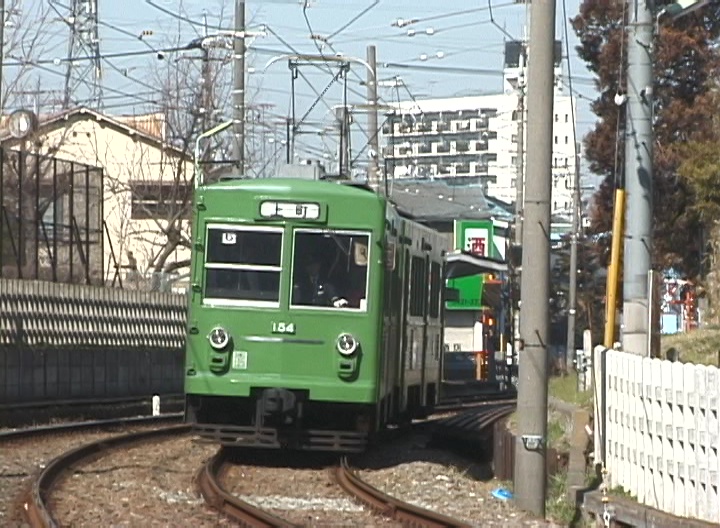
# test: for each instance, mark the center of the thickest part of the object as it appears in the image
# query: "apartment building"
(474, 140)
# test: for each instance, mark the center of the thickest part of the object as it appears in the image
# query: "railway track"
(38, 508)
(216, 496)
(17, 434)
(343, 475)
(388, 506)
(37, 511)
(383, 504)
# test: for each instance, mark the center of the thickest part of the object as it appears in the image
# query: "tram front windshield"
(330, 269)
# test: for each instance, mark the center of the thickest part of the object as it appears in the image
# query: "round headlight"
(347, 344)
(219, 338)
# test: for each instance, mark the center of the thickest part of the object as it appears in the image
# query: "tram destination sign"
(290, 210)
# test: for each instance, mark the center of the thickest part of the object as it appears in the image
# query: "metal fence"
(74, 342)
(51, 219)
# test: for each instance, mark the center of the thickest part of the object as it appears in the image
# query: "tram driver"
(313, 288)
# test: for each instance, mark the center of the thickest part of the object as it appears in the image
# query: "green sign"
(473, 236)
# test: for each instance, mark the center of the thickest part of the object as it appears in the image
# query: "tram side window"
(242, 264)
(330, 269)
(434, 310)
(418, 286)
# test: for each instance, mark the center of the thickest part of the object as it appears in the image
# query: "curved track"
(37, 511)
(252, 516)
(14, 434)
(216, 496)
(384, 504)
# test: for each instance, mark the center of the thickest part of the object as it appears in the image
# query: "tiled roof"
(150, 127)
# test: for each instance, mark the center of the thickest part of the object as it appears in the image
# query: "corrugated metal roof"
(436, 200)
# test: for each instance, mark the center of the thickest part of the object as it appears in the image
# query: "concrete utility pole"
(239, 87)
(207, 98)
(520, 180)
(2, 49)
(530, 447)
(572, 286)
(373, 131)
(638, 178)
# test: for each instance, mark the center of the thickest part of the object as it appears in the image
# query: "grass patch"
(558, 429)
(558, 432)
(700, 346)
(557, 507)
(619, 491)
(565, 388)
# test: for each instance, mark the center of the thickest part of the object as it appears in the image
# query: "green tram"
(314, 315)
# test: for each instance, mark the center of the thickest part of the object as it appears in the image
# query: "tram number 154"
(283, 328)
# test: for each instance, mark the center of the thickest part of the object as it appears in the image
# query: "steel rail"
(403, 512)
(27, 432)
(217, 497)
(386, 505)
(37, 512)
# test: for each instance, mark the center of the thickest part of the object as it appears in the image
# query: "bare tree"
(149, 189)
(29, 37)
(193, 88)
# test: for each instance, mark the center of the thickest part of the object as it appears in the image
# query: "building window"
(557, 118)
(513, 160)
(567, 118)
(462, 145)
(566, 140)
(556, 140)
(514, 138)
(160, 200)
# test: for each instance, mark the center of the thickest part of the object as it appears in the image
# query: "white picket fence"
(661, 431)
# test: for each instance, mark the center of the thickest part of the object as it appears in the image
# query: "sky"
(450, 36)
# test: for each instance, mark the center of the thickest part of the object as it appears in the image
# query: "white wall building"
(144, 195)
(474, 140)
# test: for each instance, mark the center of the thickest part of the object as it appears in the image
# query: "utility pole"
(239, 87)
(532, 401)
(520, 164)
(638, 178)
(2, 49)
(519, 184)
(207, 98)
(373, 131)
(572, 286)
(343, 118)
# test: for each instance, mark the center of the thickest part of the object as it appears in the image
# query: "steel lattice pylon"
(84, 71)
